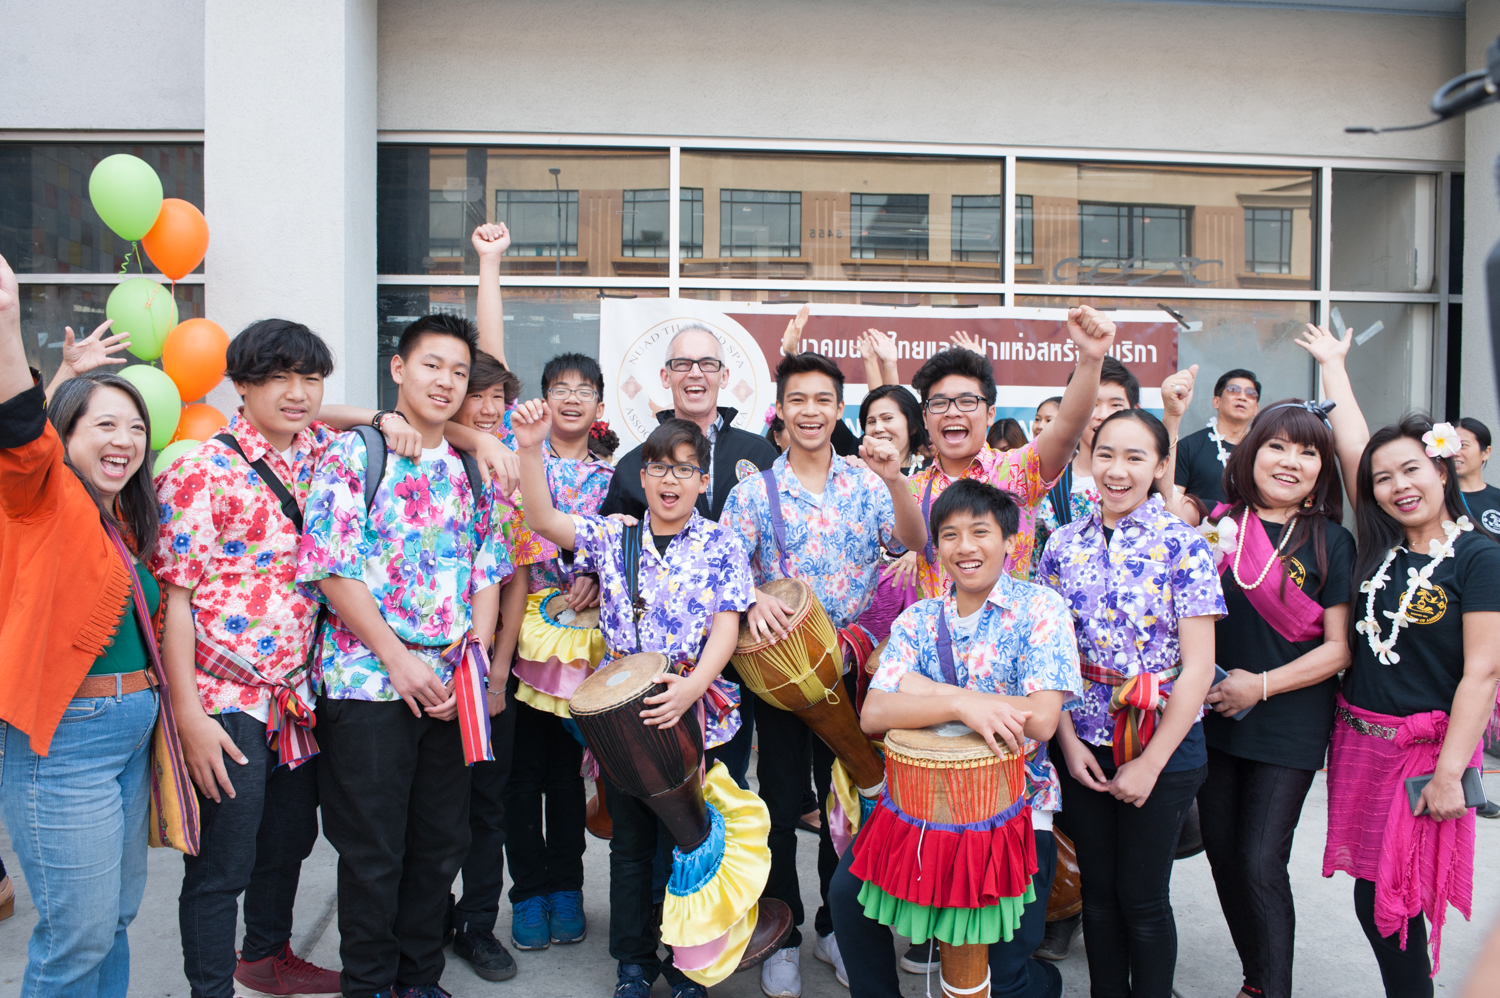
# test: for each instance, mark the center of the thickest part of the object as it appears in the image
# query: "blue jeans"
(77, 820)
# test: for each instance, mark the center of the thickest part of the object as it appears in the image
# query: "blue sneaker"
(689, 989)
(528, 923)
(632, 982)
(565, 922)
(422, 991)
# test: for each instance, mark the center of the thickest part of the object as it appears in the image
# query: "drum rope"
(949, 989)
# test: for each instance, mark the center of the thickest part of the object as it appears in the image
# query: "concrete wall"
(1477, 391)
(91, 64)
(1080, 73)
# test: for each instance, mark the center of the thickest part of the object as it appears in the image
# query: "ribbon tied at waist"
(1135, 703)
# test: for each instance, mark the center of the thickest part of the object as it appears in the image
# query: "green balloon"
(162, 403)
(146, 311)
(172, 452)
(126, 193)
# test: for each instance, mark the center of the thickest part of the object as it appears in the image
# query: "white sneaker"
(781, 974)
(827, 950)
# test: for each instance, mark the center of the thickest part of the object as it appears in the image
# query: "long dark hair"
(916, 429)
(1289, 420)
(139, 518)
(1376, 531)
(1158, 432)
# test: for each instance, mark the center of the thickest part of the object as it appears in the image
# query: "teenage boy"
(817, 518)
(1014, 666)
(693, 581)
(413, 582)
(1203, 456)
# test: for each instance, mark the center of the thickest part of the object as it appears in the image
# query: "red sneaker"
(287, 974)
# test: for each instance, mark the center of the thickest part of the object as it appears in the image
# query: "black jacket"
(734, 446)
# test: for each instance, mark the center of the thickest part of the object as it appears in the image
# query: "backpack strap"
(375, 465)
(273, 481)
(476, 482)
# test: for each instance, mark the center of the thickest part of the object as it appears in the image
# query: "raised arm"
(1350, 431)
(791, 337)
(1094, 335)
(15, 373)
(873, 376)
(884, 345)
(490, 242)
(85, 355)
(881, 457)
(531, 422)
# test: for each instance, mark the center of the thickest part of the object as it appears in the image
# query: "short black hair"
(1112, 372)
(583, 365)
(958, 361)
(274, 346)
(1228, 376)
(440, 324)
(976, 498)
(663, 442)
(807, 363)
(1480, 431)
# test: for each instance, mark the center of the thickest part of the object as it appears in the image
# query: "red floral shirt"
(223, 536)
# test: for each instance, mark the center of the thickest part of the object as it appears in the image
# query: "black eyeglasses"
(963, 403)
(708, 365)
(683, 471)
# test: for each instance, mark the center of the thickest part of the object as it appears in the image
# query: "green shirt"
(127, 652)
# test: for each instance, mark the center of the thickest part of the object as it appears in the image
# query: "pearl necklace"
(1213, 434)
(1286, 535)
(1439, 551)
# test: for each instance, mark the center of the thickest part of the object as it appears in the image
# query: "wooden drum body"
(803, 672)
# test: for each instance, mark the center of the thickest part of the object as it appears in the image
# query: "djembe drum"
(949, 851)
(710, 918)
(803, 672)
(556, 650)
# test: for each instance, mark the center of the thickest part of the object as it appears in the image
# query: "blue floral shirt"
(1023, 643)
(1126, 597)
(422, 549)
(834, 546)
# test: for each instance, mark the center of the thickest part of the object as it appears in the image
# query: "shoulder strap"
(476, 483)
(945, 647)
(273, 481)
(630, 543)
(375, 464)
(778, 522)
(929, 552)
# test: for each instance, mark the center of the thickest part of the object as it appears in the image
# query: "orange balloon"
(199, 422)
(178, 240)
(193, 357)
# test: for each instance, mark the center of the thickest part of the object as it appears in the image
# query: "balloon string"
(125, 264)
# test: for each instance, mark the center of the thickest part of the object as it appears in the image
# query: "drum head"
(794, 593)
(946, 743)
(618, 682)
(555, 609)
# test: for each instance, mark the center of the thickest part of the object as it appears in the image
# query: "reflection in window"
(1024, 230)
(1268, 240)
(760, 223)
(541, 223)
(644, 223)
(1142, 232)
(449, 223)
(888, 226)
(976, 227)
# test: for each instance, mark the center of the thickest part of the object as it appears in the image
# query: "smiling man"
(1202, 456)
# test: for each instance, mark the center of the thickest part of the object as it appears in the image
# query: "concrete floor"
(1333, 958)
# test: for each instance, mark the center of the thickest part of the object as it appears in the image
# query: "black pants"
(1125, 858)
(870, 955)
(253, 842)
(784, 742)
(1407, 973)
(545, 776)
(395, 795)
(1248, 811)
(484, 866)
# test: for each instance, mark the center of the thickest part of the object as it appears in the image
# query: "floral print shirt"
(834, 546)
(1018, 472)
(422, 549)
(1127, 595)
(223, 536)
(1023, 644)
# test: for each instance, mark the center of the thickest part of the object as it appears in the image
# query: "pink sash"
(1295, 615)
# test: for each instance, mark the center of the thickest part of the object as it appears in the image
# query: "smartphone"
(1219, 676)
(1472, 782)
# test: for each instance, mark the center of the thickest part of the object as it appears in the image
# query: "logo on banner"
(640, 394)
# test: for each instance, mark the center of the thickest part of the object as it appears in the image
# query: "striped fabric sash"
(1135, 704)
(470, 678)
(290, 722)
(722, 697)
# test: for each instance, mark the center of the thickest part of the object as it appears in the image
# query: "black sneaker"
(1058, 938)
(921, 958)
(1489, 809)
(489, 958)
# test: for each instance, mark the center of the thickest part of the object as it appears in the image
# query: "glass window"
(47, 223)
(47, 308)
(1268, 240)
(1383, 231)
(832, 217)
(1159, 225)
(897, 298)
(1456, 235)
(430, 198)
(645, 225)
(1391, 370)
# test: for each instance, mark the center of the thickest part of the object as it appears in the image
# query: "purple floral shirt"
(1127, 597)
(1023, 644)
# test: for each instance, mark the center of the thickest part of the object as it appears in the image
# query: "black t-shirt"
(662, 541)
(1432, 646)
(1198, 467)
(1484, 508)
(1290, 729)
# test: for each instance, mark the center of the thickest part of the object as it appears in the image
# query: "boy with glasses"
(1202, 456)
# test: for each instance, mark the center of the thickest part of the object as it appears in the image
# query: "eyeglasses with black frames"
(963, 403)
(681, 471)
(708, 365)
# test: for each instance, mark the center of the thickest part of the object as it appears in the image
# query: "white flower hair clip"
(1442, 440)
(1222, 537)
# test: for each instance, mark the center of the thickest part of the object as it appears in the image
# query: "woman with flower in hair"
(1426, 664)
(1284, 562)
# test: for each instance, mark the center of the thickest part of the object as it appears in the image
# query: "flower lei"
(1213, 434)
(1370, 626)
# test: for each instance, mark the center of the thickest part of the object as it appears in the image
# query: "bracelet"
(1264, 696)
(376, 419)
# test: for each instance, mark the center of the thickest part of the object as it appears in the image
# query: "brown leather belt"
(114, 684)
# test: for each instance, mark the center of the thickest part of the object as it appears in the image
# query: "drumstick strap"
(778, 523)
